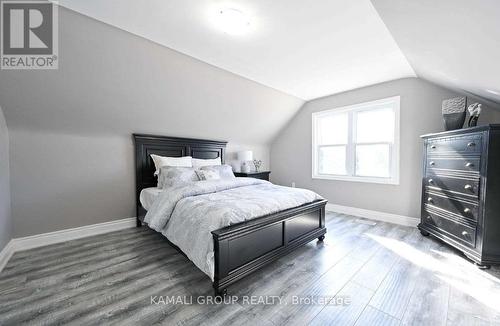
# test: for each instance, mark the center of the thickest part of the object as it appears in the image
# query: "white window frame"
(351, 142)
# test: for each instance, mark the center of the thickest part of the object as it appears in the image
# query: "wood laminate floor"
(384, 274)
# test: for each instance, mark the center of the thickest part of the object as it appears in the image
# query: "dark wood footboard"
(243, 248)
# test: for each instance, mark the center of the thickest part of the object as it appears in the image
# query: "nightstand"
(264, 175)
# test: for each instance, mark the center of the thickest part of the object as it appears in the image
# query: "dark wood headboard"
(145, 145)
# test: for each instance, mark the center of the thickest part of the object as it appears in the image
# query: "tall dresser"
(461, 191)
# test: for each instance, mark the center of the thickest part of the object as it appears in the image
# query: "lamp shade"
(245, 156)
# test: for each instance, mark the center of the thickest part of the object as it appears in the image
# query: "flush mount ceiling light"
(232, 21)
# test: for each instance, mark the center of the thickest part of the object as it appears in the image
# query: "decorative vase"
(474, 113)
(454, 113)
(257, 164)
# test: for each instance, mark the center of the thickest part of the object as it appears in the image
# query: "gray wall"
(70, 129)
(420, 114)
(5, 217)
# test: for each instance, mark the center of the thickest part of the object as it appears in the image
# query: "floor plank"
(429, 302)
(336, 313)
(374, 317)
(326, 286)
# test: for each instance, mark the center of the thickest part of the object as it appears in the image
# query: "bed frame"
(245, 247)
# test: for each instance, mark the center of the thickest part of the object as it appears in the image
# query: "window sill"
(393, 181)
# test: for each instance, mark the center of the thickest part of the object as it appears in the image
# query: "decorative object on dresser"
(454, 112)
(263, 175)
(474, 112)
(461, 191)
(257, 164)
(244, 157)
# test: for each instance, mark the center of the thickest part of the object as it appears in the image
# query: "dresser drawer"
(472, 164)
(467, 187)
(462, 233)
(465, 209)
(464, 144)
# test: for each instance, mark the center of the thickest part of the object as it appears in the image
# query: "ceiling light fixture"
(232, 21)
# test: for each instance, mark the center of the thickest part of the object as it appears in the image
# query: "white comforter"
(187, 214)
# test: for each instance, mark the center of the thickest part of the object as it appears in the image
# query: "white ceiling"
(455, 43)
(307, 49)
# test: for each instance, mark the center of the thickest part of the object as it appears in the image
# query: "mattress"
(148, 196)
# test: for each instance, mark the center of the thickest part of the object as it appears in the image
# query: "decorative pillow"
(198, 163)
(160, 161)
(173, 175)
(208, 175)
(225, 171)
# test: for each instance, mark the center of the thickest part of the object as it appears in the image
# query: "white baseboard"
(5, 254)
(44, 239)
(374, 215)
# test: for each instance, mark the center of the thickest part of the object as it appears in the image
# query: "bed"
(240, 248)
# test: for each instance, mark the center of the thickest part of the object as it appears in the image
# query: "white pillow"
(160, 161)
(208, 175)
(198, 163)
(225, 171)
(175, 175)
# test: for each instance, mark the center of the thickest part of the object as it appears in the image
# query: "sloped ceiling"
(326, 47)
(307, 49)
(115, 83)
(454, 43)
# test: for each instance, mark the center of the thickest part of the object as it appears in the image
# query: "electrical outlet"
(293, 184)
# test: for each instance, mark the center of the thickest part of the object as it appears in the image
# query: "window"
(358, 142)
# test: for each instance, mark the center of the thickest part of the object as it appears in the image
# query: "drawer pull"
(471, 144)
(433, 146)
(432, 163)
(464, 233)
(431, 181)
(468, 187)
(469, 164)
(430, 200)
(467, 210)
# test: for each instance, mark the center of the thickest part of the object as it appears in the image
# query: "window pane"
(375, 126)
(373, 160)
(332, 129)
(331, 160)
